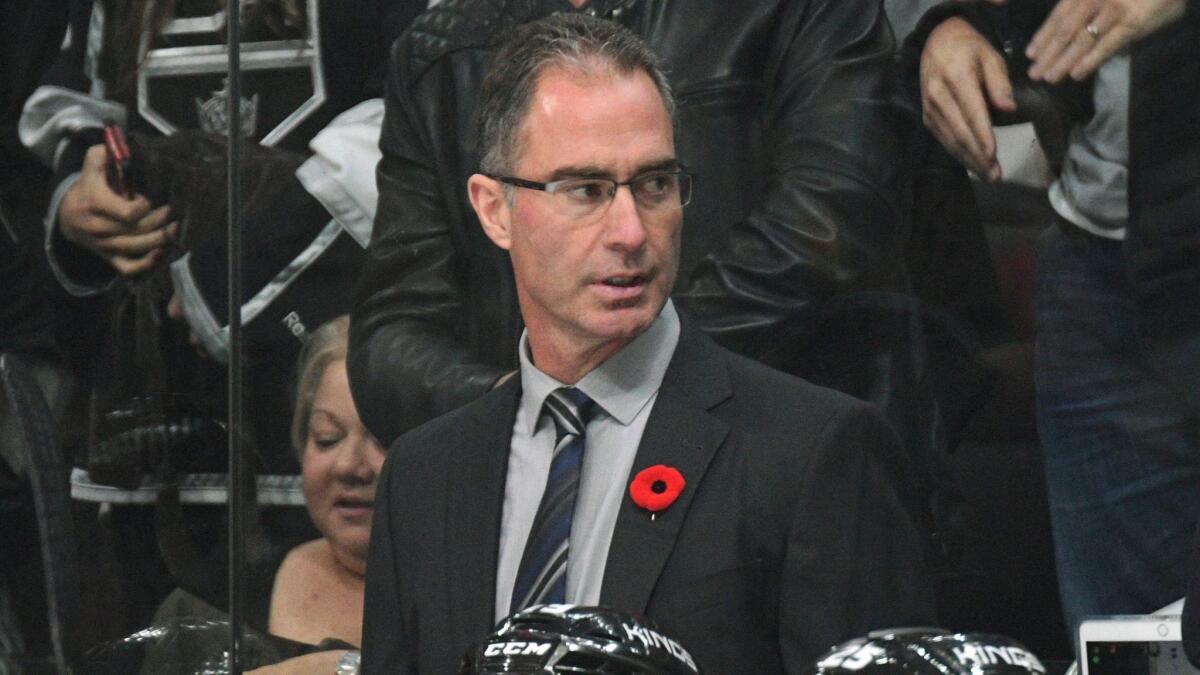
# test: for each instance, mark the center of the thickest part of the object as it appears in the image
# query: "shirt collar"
(622, 385)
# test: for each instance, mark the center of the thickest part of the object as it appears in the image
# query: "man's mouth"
(625, 280)
(623, 289)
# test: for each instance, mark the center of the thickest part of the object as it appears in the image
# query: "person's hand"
(127, 233)
(958, 69)
(1080, 35)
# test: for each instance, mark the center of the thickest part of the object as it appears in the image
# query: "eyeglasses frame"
(551, 186)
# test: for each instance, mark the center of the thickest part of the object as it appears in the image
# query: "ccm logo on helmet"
(518, 649)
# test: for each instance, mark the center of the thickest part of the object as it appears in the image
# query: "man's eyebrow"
(578, 171)
(587, 171)
(665, 164)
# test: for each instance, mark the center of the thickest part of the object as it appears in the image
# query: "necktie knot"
(570, 409)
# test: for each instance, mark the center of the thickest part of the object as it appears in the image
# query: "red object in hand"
(657, 487)
(117, 165)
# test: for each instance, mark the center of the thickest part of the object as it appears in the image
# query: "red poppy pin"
(657, 487)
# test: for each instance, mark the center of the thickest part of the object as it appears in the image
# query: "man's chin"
(627, 322)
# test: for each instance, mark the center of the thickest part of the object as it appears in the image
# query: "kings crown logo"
(214, 117)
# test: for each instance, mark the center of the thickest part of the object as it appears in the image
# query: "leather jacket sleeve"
(831, 219)
(406, 362)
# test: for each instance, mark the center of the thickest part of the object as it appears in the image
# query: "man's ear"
(495, 215)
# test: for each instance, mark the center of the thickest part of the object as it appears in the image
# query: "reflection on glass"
(313, 614)
(154, 435)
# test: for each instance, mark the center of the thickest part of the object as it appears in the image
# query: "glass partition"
(187, 370)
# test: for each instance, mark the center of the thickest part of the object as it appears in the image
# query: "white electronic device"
(1133, 645)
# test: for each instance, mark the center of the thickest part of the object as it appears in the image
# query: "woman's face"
(340, 466)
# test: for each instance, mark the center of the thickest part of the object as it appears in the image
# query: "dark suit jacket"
(793, 533)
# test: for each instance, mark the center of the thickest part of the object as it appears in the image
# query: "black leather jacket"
(785, 115)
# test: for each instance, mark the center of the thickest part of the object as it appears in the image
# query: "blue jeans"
(1117, 415)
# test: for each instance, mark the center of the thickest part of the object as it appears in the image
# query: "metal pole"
(234, 272)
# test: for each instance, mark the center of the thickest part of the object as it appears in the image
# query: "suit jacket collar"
(478, 468)
(684, 434)
(681, 432)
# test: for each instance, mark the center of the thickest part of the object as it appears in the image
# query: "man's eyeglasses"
(584, 197)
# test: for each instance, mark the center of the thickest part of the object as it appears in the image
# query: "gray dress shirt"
(624, 388)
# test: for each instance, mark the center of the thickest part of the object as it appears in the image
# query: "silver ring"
(1092, 30)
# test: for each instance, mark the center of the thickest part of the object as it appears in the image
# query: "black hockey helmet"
(556, 639)
(928, 651)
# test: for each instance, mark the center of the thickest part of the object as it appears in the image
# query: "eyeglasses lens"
(653, 192)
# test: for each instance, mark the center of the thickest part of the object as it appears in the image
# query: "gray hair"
(324, 346)
(574, 41)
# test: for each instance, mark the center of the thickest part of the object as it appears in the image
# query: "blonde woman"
(314, 618)
(318, 593)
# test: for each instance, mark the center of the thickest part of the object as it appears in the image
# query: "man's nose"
(625, 228)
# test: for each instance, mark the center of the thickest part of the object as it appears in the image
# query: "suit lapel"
(475, 485)
(682, 433)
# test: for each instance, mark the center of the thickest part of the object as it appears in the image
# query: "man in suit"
(792, 530)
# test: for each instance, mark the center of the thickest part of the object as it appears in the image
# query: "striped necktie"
(542, 576)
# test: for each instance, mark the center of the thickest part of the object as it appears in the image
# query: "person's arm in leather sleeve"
(406, 363)
(832, 218)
